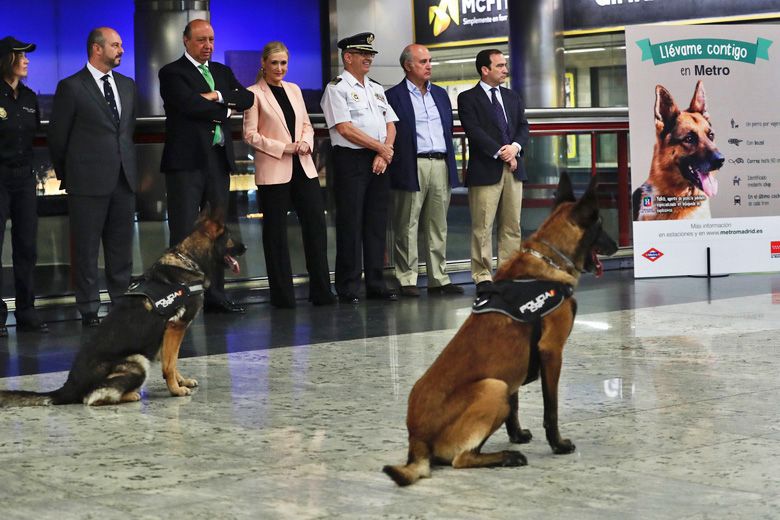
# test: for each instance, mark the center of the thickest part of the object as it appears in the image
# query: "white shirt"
(99, 81)
(487, 88)
(364, 105)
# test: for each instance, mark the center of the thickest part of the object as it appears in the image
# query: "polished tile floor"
(670, 391)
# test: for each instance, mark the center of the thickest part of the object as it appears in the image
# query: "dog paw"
(189, 383)
(131, 397)
(182, 391)
(513, 459)
(520, 437)
(564, 447)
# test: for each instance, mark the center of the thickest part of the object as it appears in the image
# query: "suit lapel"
(487, 106)
(125, 98)
(269, 96)
(89, 84)
(195, 73)
(439, 106)
(509, 108)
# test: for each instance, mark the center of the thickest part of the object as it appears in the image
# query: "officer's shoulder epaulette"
(374, 81)
(336, 80)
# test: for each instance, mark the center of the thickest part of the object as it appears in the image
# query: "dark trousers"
(188, 192)
(303, 194)
(19, 203)
(110, 219)
(362, 199)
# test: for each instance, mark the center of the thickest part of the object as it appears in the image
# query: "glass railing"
(584, 142)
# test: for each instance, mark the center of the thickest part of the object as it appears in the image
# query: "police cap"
(358, 43)
(10, 44)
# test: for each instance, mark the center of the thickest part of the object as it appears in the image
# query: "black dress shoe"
(382, 294)
(445, 289)
(90, 320)
(281, 304)
(410, 291)
(223, 306)
(32, 326)
(3, 331)
(349, 298)
(319, 301)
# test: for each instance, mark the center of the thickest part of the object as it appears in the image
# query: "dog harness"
(526, 301)
(166, 298)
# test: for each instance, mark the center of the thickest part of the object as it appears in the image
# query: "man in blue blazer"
(497, 131)
(422, 173)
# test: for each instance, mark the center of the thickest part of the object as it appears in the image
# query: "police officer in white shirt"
(362, 131)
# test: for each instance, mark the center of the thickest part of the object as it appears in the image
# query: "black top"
(20, 118)
(287, 109)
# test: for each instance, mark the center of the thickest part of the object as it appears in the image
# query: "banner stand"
(709, 274)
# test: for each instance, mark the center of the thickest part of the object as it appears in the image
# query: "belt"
(432, 155)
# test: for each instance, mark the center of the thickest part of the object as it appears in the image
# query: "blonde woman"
(278, 128)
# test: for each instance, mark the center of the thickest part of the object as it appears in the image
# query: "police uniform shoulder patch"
(336, 80)
(374, 81)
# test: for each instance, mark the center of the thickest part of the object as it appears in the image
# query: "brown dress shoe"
(410, 290)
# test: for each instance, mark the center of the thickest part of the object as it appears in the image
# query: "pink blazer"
(265, 130)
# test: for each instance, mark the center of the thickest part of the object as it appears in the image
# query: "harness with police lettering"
(167, 297)
(526, 301)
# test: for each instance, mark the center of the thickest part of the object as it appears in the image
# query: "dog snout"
(717, 160)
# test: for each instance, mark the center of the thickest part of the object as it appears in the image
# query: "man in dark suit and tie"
(199, 96)
(497, 131)
(422, 173)
(91, 147)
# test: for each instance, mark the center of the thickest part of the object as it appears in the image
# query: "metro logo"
(774, 249)
(652, 254)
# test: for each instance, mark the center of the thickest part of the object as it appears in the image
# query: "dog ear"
(666, 110)
(699, 101)
(564, 192)
(586, 209)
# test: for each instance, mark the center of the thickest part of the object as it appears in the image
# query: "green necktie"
(210, 80)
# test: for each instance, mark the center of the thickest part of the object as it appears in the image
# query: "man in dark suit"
(91, 147)
(422, 173)
(199, 96)
(497, 131)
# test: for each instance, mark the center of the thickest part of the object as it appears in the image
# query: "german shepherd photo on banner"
(682, 172)
(147, 323)
(516, 332)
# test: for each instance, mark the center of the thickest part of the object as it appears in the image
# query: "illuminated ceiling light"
(581, 51)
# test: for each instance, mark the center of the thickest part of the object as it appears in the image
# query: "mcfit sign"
(441, 23)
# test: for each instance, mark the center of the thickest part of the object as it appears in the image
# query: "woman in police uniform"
(19, 120)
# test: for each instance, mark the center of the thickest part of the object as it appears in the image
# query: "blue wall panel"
(60, 28)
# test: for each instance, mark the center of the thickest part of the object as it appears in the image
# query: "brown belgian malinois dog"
(471, 388)
(684, 163)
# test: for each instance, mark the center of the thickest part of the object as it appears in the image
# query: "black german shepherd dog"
(147, 323)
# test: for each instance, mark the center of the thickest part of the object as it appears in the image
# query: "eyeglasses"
(363, 54)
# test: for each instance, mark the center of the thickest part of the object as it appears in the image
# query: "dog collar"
(190, 264)
(548, 260)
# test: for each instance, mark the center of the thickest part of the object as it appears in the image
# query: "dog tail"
(13, 398)
(418, 465)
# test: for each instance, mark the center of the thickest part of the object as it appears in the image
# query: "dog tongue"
(233, 264)
(709, 184)
(599, 266)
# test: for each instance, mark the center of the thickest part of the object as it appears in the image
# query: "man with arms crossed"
(422, 173)
(494, 120)
(199, 96)
(91, 147)
(360, 122)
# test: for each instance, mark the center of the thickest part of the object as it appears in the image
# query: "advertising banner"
(705, 148)
(449, 23)
(582, 15)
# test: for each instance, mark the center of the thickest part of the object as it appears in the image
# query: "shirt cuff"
(219, 97)
(519, 148)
